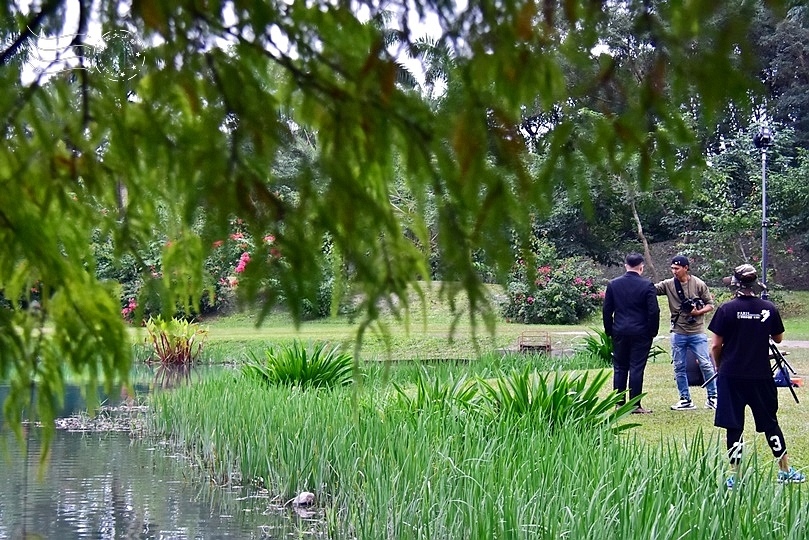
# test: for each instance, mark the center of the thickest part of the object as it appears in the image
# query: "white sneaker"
(683, 405)
(711, 403)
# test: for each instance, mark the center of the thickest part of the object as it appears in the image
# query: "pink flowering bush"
(128, 311)
(566, 291)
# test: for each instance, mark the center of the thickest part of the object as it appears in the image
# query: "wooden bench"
(536, 342)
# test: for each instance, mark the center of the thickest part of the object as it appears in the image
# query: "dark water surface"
(111, 485)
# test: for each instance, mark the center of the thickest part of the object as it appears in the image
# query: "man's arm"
(716, 349)
(707, 299)
(608, 310)
(653, 312)
(778, 337)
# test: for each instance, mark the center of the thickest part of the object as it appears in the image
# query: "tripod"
(780, 365)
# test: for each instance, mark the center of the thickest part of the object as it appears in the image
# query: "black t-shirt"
(746, 324)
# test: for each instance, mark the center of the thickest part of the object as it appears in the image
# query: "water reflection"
(110, 486)
(106, 486)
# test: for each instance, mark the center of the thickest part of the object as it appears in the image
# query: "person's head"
(679, 266)
(746, 278)
(634, 262)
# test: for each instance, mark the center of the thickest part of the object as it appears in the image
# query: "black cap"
(633, 260)
(680, 260)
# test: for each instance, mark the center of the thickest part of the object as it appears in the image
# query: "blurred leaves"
(212, 116)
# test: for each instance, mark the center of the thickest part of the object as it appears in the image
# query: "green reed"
(384, 470)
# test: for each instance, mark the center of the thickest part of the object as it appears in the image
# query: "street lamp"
(763, 140)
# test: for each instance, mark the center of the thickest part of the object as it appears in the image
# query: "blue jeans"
(698, 343)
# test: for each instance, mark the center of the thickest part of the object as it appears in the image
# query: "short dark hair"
(633, 260)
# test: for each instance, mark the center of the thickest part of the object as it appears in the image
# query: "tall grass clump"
(599, 346)
(389, 463)
(559, 399)
(315, 365)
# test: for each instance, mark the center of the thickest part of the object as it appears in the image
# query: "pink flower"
(218, 243)
(242, 264)
(530, 299)
(269, 239)
(789, 250)
(236, 236)
(130, 308)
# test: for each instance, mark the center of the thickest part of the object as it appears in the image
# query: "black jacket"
(630, 307)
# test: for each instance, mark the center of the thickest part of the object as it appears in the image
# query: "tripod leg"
(779, 357)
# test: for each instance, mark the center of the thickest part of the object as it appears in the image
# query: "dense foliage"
(558, 291)
(299, 119)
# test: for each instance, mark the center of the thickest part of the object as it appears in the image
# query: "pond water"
(111, 485)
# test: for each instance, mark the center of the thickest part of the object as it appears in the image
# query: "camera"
(688, 305)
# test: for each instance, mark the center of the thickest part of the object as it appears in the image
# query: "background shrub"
(564, 291)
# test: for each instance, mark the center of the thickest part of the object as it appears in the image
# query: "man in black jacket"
(631, 317)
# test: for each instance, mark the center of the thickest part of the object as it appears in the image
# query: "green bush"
(559, 399)
(564, 292)
(315, 366)
(599, 345)
(522, 394)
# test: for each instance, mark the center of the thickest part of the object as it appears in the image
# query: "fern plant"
(314, 366)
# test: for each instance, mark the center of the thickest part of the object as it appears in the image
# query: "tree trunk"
(646, 253)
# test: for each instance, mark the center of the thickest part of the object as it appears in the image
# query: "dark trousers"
(629, 362)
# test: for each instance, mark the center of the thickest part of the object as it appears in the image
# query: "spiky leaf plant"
(558, 399)
(314, 366)
(431, 393)
(598, 345)
(174, 341)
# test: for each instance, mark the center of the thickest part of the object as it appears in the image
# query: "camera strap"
(679, 288)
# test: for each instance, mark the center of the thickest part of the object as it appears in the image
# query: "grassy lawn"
(432, 335)
(453, 475)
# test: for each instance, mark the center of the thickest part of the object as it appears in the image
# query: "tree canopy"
(176, 114)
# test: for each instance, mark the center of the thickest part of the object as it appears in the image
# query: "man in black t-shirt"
(742, 329)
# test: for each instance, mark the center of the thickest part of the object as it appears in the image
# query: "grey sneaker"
(711, 403)
(683, 405)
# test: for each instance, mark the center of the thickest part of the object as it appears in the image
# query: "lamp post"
(763, 140)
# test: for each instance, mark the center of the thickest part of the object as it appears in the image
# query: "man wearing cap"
(742, 329)
(685, 291)
(631, 318)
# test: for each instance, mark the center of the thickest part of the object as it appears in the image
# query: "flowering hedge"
(566, 291)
